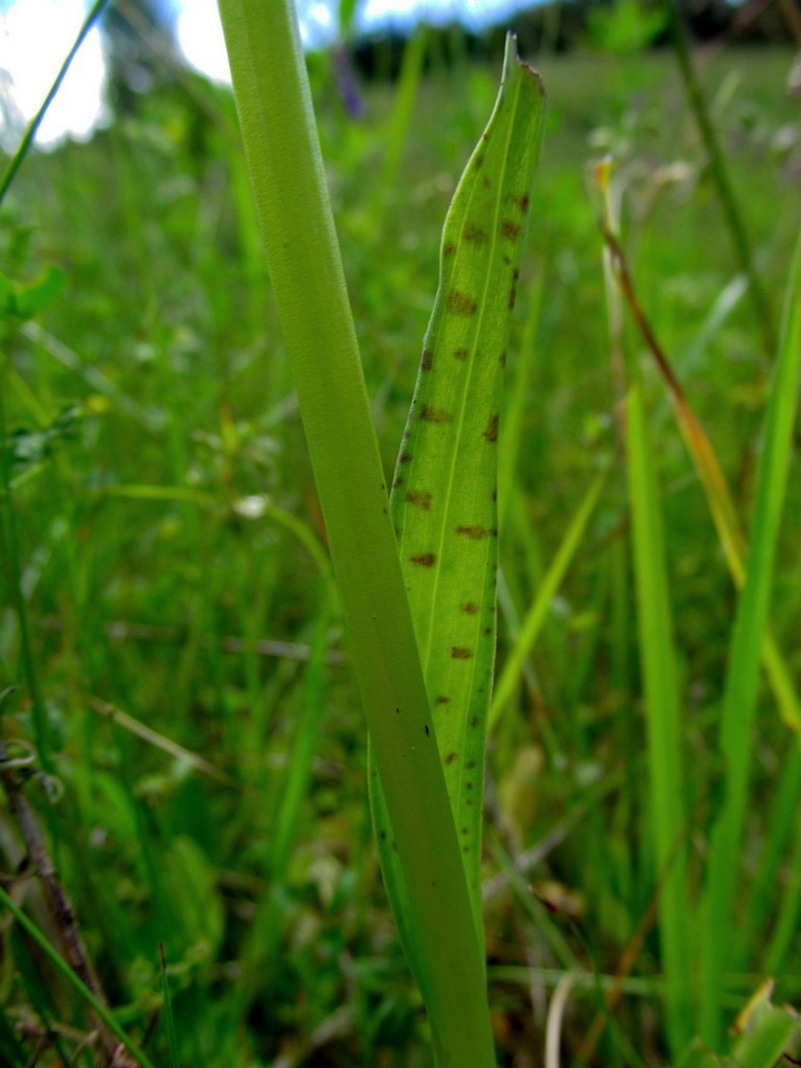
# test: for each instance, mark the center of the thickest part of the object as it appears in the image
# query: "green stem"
(286, 169)
(720, 176)
(33, 126)
(61, 966)
(13, 569)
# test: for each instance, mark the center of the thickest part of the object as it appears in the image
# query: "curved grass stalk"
(742, 679)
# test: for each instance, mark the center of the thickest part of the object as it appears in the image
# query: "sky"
(36, 35)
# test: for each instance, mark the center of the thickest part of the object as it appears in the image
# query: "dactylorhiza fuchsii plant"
(416, 573)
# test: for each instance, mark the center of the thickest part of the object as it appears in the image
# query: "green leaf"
(288, 178)
(444, 491)
(742, 678)
(24, 300)
(766, 1030)
(766, 1034)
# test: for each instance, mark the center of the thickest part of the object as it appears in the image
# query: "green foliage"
(626, 25)
(190, 666)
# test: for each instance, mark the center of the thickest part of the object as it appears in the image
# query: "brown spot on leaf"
(435, 415)
(449, 248)
(491, 433)
(422, 500)
(461, 354)
(461, 303)
(502, 359)
(427, 362)
(397, 482)
(442, 700)
(459, 652)
(474, 232)
(510, 229)
(474, 721)
(475, 533)
(424, 559)
(465, 830)
(521, 202)
(449, 759)
(469, 608)
(404, 457)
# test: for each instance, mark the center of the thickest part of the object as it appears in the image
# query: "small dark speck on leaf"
(474, 232)
(461, 303)
(435, 415)
(510, 229)
(469, 608)
(424, 559)
(404, 457)
(491, 433)
(449, 759)
(475, 533)
(428, 732)
(442, 700)
(459, 652)
(461, 354)
(422, 500)
(427, 361)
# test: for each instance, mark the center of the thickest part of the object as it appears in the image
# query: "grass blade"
(666, 793)
(721, 505)
(69, 975)
(537, 613)
(665, 775)
(742, 679)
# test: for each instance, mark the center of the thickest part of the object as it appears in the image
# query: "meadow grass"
(168, 531)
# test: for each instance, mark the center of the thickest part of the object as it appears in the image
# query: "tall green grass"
(188, 656)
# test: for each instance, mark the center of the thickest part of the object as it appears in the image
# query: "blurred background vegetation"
(168, 645)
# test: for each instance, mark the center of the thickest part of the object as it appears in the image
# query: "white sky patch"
(200, 38)
(35, 37)
(200, 35)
